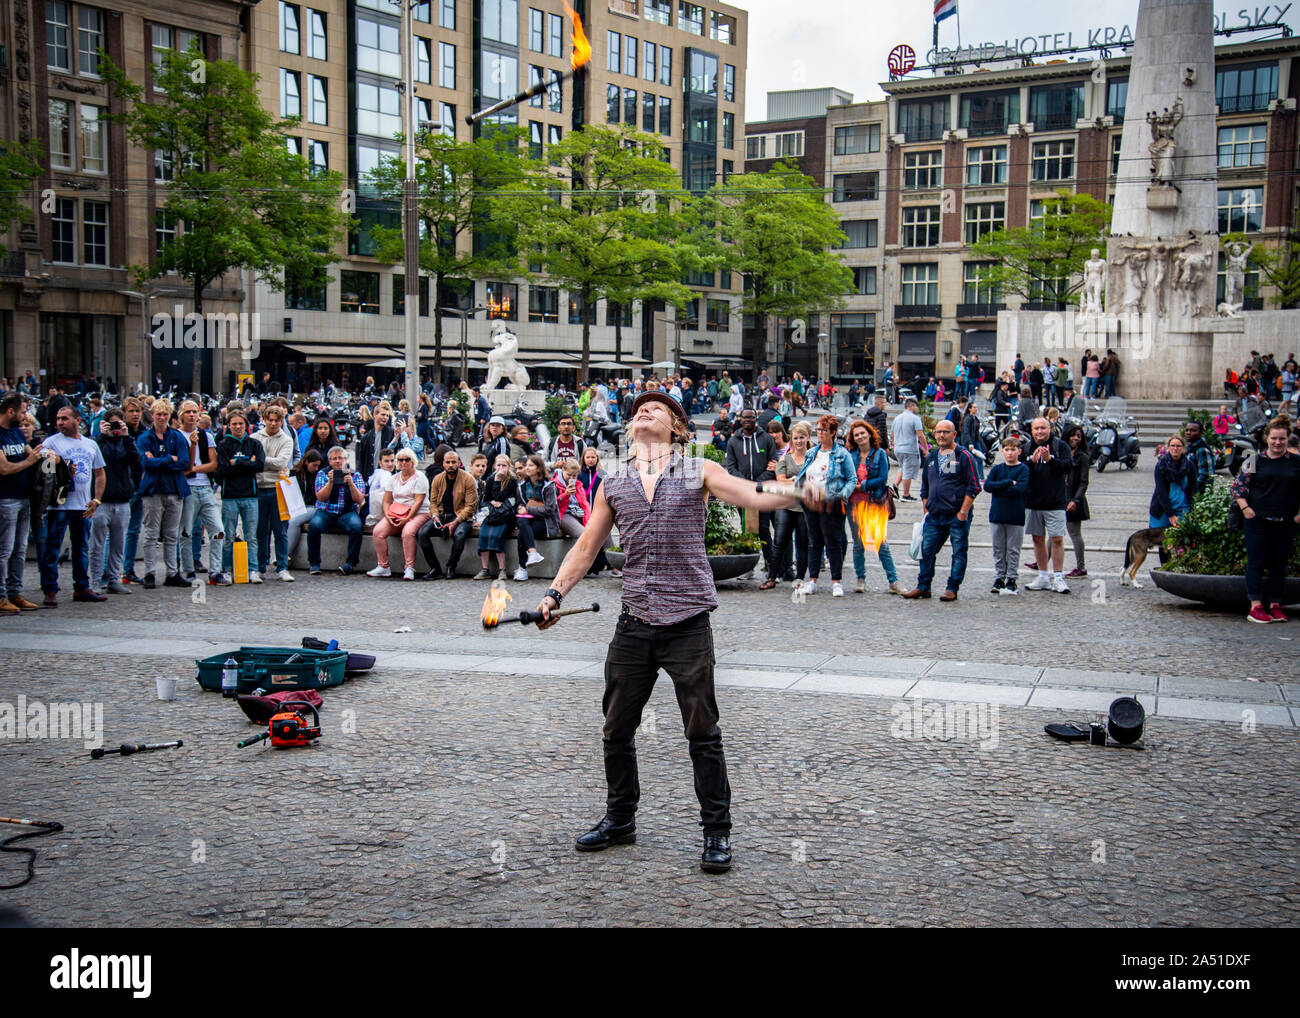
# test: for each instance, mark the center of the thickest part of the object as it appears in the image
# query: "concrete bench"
(334, 551)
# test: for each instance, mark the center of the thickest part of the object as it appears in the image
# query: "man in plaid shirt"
(339, 495)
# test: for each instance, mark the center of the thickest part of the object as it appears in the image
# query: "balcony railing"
(979, 310)
(913, 311)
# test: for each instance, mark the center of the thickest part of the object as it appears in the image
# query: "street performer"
(668, 592)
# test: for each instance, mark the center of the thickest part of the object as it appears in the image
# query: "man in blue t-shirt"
(15, 510)
(86, 461)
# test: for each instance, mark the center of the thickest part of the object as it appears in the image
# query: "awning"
(323, 353)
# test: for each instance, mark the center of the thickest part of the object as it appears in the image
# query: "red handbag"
(398, 513)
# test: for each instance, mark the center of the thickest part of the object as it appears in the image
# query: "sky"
(846, 43)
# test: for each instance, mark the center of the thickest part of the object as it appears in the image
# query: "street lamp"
(823, 356)
(464, 317)
(410, 223)
(146, 334)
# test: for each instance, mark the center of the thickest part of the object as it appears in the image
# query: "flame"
(494, 605)
(581, 55)
(872, 521)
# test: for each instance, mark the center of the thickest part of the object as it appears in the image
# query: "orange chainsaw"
(290, 727)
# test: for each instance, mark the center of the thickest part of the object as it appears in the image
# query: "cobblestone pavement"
(440, 795)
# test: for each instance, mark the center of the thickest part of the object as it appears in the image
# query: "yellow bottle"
(240, 558)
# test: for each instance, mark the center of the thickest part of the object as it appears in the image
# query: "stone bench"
(334, 551)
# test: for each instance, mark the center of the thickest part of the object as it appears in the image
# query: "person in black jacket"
(878, 417)
(751, 454)
(367, 448)
(1076, 510)
(240, 458)
(108, 526)
(1050, 462)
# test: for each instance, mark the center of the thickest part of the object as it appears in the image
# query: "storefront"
(916, 356)
(81, 345)
(853, 338)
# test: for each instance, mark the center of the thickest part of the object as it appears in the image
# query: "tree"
(603, 220)
(20, 165)
(777, 229)
(453, 181)
(244, 201)
(1044, 260)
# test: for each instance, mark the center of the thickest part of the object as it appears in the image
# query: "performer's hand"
(546, 606)
(812, 498)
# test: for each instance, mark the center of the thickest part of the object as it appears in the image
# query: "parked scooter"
(1117, 439)
(1248, 439)
(597, 432)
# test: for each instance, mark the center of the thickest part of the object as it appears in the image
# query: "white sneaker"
(521, 574)
(837, 590)
(860, 587)
(408, 573)
(1059, 585)
(379, 571)
(810, 587)
(286, 576)
(1039, 582)
(533, 558)
(254, 577)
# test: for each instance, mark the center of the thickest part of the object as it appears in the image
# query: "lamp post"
(146, 334)
(677, 324)
(410, 217)
(823, 356)
(464, 317)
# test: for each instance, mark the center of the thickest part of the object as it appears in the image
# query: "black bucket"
(1127, 717)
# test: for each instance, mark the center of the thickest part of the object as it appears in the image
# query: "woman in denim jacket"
(871, 471)
(830, 466)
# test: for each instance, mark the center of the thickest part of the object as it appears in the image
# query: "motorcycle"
(597, 432)
(1248, 439)
(1077, 413)
(1117, 439)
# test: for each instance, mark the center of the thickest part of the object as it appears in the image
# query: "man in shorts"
(1049, 462)
(908, 442)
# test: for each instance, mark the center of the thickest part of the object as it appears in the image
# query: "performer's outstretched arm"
(581, 556)
(740, 492)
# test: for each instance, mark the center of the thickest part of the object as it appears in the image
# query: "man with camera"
(453, 500)
(108, 526)
(16, 465)
(340, 494)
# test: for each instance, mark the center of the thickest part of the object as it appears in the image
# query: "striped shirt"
(666, 575)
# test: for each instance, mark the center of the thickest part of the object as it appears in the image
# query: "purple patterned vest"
(666, 575)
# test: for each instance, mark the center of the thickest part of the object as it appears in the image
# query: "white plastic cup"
(166, 686)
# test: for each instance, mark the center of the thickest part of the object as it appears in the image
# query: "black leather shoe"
(450, 574)
(716, 857)
(149, 582)
(607, 833)
(432, 574)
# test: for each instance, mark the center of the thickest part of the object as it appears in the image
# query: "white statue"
(1163, 147)
(1234, 279)
(501, 359)
(1190, 271)
(1135, 275)
(1094, 281)
(1160, 252)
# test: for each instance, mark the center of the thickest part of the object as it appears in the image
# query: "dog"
(1135, 553)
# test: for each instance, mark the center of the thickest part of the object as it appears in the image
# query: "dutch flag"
(943, 9)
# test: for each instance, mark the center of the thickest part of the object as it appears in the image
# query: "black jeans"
(433, 529)
(826, 533)
(685, 651)
(1268, 549)
(766, 521)
(789, 543)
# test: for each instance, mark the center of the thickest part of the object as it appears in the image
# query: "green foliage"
(1031, 261)
(1206, 420)
(708, 451)
(461, 398)
(1203, 542)
(722, 534)
(555, 408)
(925, 411)
(20, 165)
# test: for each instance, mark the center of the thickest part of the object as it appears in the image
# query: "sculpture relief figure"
(501, 359)
(1234, 280)
(1159, 253)
(1094, 281)
(1163, 147)
(1190, 271)
(1135, 275)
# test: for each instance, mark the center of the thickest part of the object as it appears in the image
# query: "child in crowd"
(572, 499)
(1223, 421)
(1008, 483)
(383, 473)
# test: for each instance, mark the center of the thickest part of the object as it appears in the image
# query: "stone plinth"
(504, 400)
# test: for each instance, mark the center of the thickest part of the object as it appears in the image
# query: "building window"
(92, 140)
(647, 112)
(1115, 140)
(447, 119)
(577, 313)
(499, 21)
(164, 166)
(984, 217)
(921, 226)
(660, 11)
(544, 305)
(1116, 98)
(722, 27)
(1048, 289)
(536, 30)
(318, 157)
(613, 96)
(553, 134)
(1055, 107)
(728, 130)
(703, 72)
(975, 288)
(1053, 160)
(420, 11)
(63, 231)
(613, 57)
(359, 292)
(423, 60)
(788, 144)
(164, 232)
(447, 15)
(618, 314)
(703, 123)
(864, 280)
(555, 28)
(920, 284)
(318, 112)
(986, 165)
(629, 106)
(729, 83)
(700, 170)
(290, 34)
(58, 37)
(399, 294)
(665, 65)
(756, 146)
(498, 79)
(923, 119)
(923, 169)
(719, 316)
(290, 94)
(378, 110)
(502, 300)
(304, 291)
(446, 65)
(630, 64)
(854, 186)
(58, 33)
(60, 135)
(1241, 210)
(665, 116)
(859, 233)
(535, 74)
(90, 39)
(1244, 88)
(857, 139)
(651, 55)
(690, 17)
(94, 232)
(534, 139)
(317, 44)
(1241, 145)
(379, 48)
(985, 113)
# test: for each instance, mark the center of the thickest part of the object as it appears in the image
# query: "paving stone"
(859, 685)
(969, 692)
(1093, 700)
(1174, 707)
(1229, 689)
(967, 670)
(854, 664)
(773, 659)
(1129, 681)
